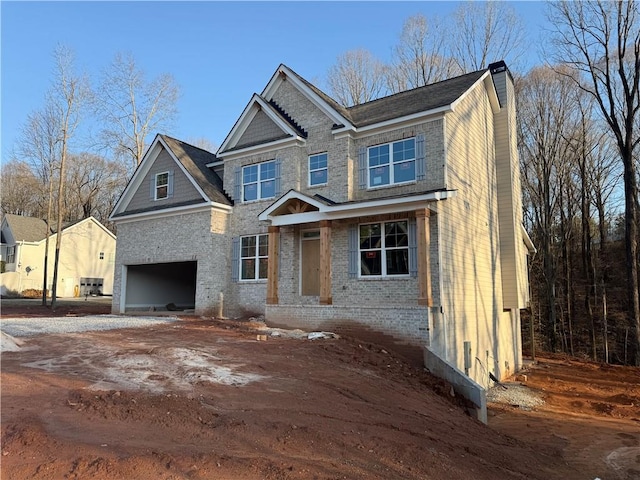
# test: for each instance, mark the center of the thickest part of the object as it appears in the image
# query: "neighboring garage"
(160, 285)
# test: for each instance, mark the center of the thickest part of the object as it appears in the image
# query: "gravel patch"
(516, 395)
(29, 327)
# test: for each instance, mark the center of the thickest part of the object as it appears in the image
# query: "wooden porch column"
(272, 265)
(325, 262)
(424, 257)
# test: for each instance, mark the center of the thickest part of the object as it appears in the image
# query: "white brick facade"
(461, 142)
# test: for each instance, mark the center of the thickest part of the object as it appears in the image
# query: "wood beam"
(424, 257)
(272, 265)
(325, 263)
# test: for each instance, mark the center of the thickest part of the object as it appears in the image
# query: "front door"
(310, 263)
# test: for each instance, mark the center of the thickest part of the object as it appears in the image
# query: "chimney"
(499, 72)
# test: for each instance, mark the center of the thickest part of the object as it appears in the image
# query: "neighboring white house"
(398, 219)
(87, 257)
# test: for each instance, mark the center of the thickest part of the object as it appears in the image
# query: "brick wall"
(196, 237)
(404, 330)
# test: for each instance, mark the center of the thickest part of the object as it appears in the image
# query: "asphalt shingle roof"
(419, 99)
(26, 229)
(404, 103)
(195, 161)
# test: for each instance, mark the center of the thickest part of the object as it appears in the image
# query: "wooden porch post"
(272, 266)
(325, 262)
(424, 257)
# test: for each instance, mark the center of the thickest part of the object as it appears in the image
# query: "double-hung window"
(11, 254)
(259, 181)
(392, 163)
(318, 169)
(162, 185)
(254, 255)
(384, 249)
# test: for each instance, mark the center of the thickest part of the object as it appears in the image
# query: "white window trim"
(313, 185)
(258, 182)
(383, 249)
(390, 164)
(160, 186)
(256, 256)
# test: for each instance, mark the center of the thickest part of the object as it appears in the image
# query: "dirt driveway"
(205, 399)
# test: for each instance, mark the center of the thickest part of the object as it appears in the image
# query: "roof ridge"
(412, 90)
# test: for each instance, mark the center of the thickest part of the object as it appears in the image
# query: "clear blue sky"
(220, 53)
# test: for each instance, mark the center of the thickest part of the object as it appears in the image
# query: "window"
(259, 181)
(318, 169)
(11, 254)
(254, 253)
(162, 185)
(392, 163)
(384, 249)
(101, 255)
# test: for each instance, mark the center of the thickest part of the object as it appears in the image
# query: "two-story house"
(399, 218)
(86, 261)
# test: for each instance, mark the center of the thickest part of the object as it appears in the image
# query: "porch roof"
(294, 208)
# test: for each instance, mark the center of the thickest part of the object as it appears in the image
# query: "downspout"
(18, 266)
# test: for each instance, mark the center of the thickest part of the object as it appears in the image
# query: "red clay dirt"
(204, 399)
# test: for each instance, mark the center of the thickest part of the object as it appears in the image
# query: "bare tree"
(601, 40)
(20, 189)
(68, 96)
(90, 180)
(203, 143)
(356, 78)
(40, 146)
(544, 118)
(133, 108)
(420, 58)
(486, 32)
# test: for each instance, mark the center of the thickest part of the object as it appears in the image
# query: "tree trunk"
(631, 243)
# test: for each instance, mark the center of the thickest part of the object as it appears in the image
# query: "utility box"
(91, 286)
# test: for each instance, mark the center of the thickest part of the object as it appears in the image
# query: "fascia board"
(185, 172)
(244, 119)
(493, 94)
(200, 207)
(89, 219)
(394, 123)
(135, 182)
(285, 198)
(468, 90)
(313, 97)
(263, 147)
(269, 111)
(527, 240)
(376, 207)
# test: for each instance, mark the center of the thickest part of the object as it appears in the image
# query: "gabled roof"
(26, 229)
(296, 208)
(191, 160)
(34, 230)
(291, 131)
(410, 104)
(195, 161)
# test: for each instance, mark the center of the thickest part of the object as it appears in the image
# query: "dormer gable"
(179, 171)
(265, 124)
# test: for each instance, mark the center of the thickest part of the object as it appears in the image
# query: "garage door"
(163, 286)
